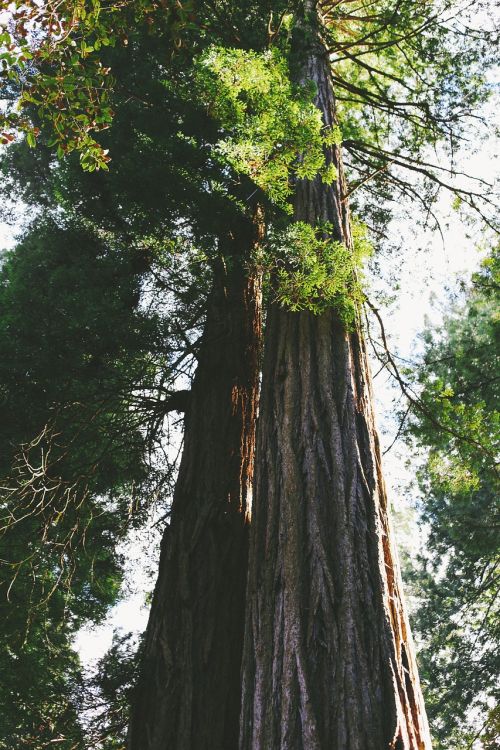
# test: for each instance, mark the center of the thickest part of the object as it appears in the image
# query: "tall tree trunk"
(328, 660)
(188, 697)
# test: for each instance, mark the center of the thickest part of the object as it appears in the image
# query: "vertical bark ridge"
(328, 660)
(188, 696)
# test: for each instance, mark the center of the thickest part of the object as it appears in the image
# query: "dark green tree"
(75, 351)
(457, 576)
(107, 698)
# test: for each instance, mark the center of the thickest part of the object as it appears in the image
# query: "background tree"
(74, 347)
(107, 703)
(457, 576)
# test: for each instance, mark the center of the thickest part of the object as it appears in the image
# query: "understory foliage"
(184, 117)
(458, 578)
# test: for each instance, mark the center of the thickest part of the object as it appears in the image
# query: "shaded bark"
(328, 659)
(188, 697)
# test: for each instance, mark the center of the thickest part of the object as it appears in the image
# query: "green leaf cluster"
(113, 684)
(273, 130)
(310, 271)
(53, 53)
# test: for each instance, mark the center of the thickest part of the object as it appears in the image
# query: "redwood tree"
(189, 692)
(328, 657)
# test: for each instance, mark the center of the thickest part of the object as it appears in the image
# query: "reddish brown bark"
(328, 660)
(188, 696)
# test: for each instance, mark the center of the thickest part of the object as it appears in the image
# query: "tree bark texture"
(328, 659)
(188, 697)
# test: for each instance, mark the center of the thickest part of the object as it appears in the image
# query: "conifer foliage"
(458, 578)
(184, 154)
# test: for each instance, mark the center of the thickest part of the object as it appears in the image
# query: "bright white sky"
(426, 269)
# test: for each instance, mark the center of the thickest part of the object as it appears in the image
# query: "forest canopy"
(206, 190)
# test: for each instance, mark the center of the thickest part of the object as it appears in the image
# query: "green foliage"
(458, 578)
(55, 57)
(37, 693)
(53, 53)
(71, 340)
(273, 129)
(310, 271)
(111, 688)
(161, 134)
(74, 348)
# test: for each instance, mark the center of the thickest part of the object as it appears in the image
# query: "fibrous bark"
(188, 696)
(328, 660)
